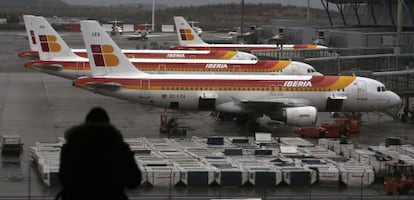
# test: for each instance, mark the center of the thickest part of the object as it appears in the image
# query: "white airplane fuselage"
(359, 95)
(74, 67)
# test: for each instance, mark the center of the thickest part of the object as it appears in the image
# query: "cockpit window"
(381, 89)
(311, 71)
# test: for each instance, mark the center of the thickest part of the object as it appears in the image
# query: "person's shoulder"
(104, 130)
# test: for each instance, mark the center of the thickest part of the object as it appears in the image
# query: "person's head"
(97, 115)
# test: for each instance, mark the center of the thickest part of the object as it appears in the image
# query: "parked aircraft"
(57, 58)
(32, 53)
(188, 39)
(132, 53)
(294, 100)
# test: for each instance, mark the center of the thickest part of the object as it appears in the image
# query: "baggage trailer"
(399, 178)
(11, 144)
(346, 125)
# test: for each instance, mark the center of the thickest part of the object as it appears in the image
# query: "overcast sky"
(313, 3)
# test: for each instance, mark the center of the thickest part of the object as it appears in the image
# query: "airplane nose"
(394, 100)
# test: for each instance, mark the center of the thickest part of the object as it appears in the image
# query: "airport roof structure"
(378, 10)
(364, 1)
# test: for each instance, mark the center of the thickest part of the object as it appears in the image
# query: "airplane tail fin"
(105, 57)
(28, 24)
(49, 43)
(186, 34)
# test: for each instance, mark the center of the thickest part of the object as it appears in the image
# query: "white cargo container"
(327, 173)
(263, 175)
(162, 175)
(346, 150)
(49, 173)
(196, 175)
(327, 143)
(295, 141)
(407, 150)
(298, 176)
(230, 175)
(317, 152)
(363, 155)
(356, 175)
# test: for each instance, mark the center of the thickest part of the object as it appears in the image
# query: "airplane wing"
(112, 86)
(275, 102)
(52, 67)
(228, 37)
(146, 35)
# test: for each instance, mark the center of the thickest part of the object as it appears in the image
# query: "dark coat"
(96, 163)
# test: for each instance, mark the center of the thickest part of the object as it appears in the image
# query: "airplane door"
(294, 68)
(162, 68)
(80, 69)
(361, 90)
(276, 90)
(236, 69)
(145, 86)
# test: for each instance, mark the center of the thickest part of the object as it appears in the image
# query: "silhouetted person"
(97, 115)
(95, 162)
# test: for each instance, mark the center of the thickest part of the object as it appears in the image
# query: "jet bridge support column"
(327, 11)
(371, 7)
(406, 109)
(384, 3)
(409, 10)
(355, 6)
(341, 10)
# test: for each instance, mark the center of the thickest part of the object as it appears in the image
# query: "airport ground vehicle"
(346, 125)
(399, 178)
(11, 144)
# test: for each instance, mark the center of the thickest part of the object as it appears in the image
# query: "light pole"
(399, 25)
(307, 12)
(153, 15)
(242, 17)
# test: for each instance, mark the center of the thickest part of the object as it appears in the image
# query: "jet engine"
(300, 116)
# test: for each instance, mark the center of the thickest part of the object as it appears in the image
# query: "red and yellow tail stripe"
(186, 34)
(49, 44)
(103, 55)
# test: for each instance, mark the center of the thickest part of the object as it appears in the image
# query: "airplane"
(32, 53)
(197, 29)
(116, 27)
(63, 62)
(143, 34)
(132, 53)
(294, 100)
(188, 39)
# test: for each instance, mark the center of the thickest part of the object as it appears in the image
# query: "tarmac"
(40, 107)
